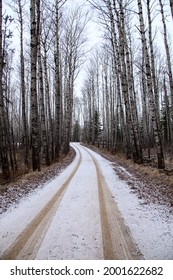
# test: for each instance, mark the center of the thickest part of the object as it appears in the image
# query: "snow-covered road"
(87, 212)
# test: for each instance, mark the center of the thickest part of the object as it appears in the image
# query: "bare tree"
(3, 140)
(58, 92)
(169, 66)
(42, 106)
(157, 135)
(35, 136)
(73, 42)
(171, 5)
(47, 31)
(23, 87)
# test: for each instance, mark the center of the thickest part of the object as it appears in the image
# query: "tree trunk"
(50, 120)
(35, 141)
(153, 68)
(42, 110)
(145, 110)
(23, 90)
(167, 127)
(160, 155)
(169, 66)
(3, 141)
(57, 86)
(171, 5)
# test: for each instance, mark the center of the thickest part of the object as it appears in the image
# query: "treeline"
(127, 95)
(128, 91)
(37, 81)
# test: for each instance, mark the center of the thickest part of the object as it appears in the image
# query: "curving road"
(77, 219)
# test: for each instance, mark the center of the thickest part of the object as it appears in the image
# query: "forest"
(126, 98)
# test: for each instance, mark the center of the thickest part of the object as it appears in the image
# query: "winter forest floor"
(155, 186)
(14, 190)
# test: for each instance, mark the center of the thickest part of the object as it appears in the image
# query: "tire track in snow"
(28, 242)
(117, 241)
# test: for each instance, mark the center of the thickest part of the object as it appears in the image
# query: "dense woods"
(37, 93)
(127, 94)
(126, 101)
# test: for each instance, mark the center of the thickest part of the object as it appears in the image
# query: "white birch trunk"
(169, 66)
(157, 136)
(23, 89)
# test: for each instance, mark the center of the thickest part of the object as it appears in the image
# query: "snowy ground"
(75, 229)
(151, 225)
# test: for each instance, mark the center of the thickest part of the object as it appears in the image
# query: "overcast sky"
(92, 32)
